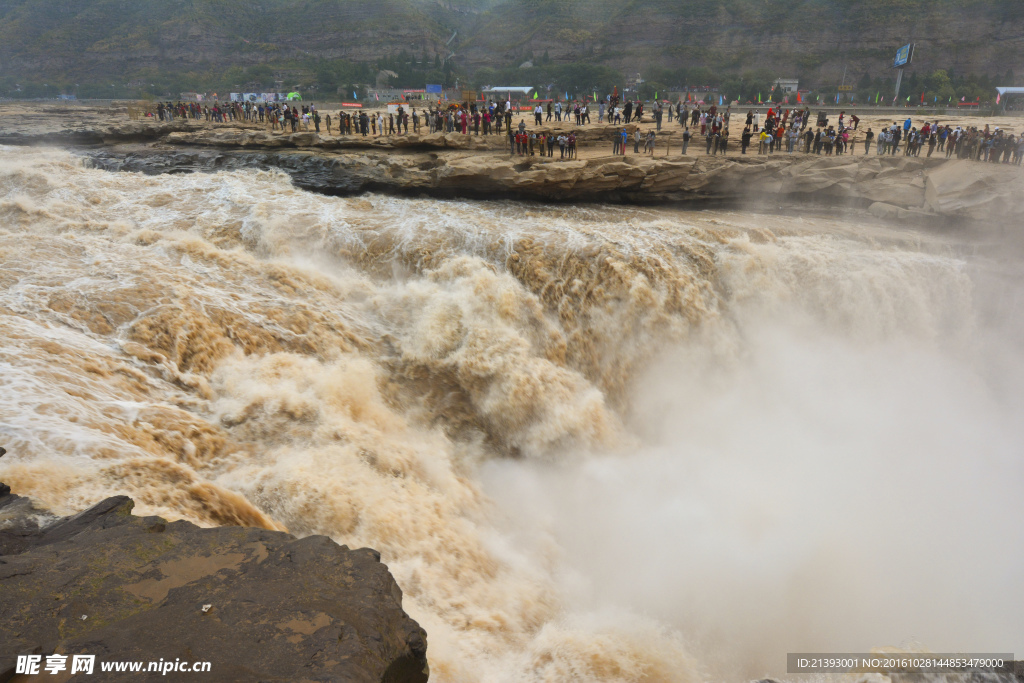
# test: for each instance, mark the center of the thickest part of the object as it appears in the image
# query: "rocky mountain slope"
(93, 41)
(811, 38)
(85, 39)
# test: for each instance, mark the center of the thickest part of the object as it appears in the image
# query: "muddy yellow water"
(590, 442)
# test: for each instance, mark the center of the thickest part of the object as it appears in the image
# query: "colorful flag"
(377, 96)
(798, 101)
(759, 98)
(997, 98)
(535, 95)
(922, 98)
(837, 98)
(655, 94)
(719, 100)
(354, 95)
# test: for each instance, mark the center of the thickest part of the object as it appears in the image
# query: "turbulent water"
(591, 443)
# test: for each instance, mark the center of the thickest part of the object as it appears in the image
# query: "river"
(590, 442)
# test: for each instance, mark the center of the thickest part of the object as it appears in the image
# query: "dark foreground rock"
(127, 588)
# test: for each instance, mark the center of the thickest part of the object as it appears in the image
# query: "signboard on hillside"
(904, 55)
(433, 88)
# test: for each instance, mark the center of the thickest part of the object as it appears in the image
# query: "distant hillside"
(133, 40)
(814, 39)
(85, 36)
(114, 47)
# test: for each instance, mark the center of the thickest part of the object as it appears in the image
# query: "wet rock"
(883, 210)
(20, 522)
(257, 604)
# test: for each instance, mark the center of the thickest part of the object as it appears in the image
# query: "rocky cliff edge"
(258, 605)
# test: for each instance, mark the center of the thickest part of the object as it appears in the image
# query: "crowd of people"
(789, 131)
(522, 143)
(986, 144)
(793, 132)
(479, 118)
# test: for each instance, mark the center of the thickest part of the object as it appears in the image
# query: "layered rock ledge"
(257, 604)
(918, 189)
(904, 188)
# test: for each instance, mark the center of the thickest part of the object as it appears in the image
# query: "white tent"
(1004, 91)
